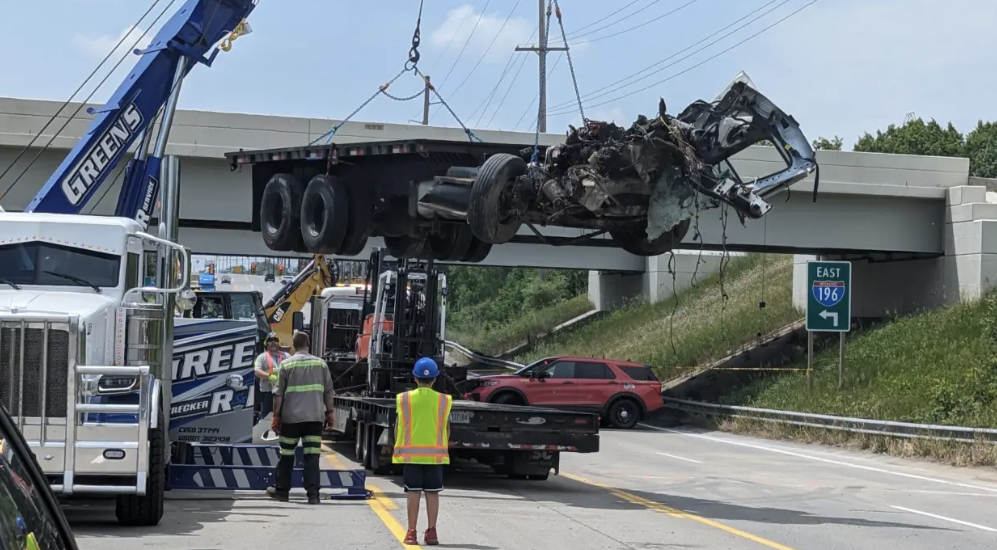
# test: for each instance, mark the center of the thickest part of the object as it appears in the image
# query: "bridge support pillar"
(663, 278)
(968, 268)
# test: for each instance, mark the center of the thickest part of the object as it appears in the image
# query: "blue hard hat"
(425, 367)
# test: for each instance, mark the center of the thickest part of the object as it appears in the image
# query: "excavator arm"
(188, 38)
(294, 295)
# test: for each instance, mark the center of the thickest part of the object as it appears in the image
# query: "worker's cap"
(425, 367)
(272, 337)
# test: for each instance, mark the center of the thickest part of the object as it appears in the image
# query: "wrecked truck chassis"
(452, 201)
(645, 184)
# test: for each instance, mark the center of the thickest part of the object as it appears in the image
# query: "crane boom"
(188, 38)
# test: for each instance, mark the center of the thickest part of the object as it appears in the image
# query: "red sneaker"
(430, 537)
(411, 537)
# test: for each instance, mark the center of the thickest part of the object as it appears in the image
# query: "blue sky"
(840, 67)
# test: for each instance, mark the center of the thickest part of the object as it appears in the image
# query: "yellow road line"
(380, 504)
(676, 513)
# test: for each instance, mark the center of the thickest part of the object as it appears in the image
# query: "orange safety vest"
(422, 429)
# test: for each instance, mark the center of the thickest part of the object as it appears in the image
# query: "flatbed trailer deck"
(519, 441)
(414, 192)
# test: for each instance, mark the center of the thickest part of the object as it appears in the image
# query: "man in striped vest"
(422, 440)
(302, 400)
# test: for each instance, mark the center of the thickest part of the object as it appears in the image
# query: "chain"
(567, 52)
(543, 75)
(410, 65)
(413, 53)
(467, 131)
(329, 135)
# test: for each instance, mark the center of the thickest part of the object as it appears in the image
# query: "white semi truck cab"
(76, 324)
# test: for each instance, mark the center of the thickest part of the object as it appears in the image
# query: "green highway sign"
(829, 296)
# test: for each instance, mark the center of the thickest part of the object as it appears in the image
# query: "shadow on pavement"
(185, 515)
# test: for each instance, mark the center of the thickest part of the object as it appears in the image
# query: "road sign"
(829, 296)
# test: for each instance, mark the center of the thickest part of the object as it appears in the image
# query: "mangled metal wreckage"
(643, 185)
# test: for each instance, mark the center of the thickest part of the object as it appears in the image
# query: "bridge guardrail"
(483, 359)
(843, 423)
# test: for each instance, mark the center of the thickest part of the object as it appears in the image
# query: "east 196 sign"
(829, 304)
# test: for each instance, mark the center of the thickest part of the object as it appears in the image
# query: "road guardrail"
(843, 423)
(483, 359)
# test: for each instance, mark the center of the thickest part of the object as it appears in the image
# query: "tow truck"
(115, 396)
(402, 317)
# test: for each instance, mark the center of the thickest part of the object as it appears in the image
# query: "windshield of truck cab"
(36, 263)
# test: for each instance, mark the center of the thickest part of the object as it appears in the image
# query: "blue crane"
(188, 38)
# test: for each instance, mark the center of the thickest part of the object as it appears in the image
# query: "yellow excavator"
(293, 296)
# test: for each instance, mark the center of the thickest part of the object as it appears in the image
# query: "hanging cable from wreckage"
(411, 65)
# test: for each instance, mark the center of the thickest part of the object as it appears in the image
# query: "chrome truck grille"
(34, 368)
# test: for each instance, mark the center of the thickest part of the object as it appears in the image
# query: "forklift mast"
(408, 296)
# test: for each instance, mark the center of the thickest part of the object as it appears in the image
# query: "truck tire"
(358, 225)
(477, 252)
(624, 413)
(280, 213)
(488, 215)
(451, 244)
(374, 463)
(147, 510)
(405, 246)
(633, 238)
(358, 443)
(324, 213)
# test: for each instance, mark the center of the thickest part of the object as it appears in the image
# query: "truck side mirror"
(298, 320)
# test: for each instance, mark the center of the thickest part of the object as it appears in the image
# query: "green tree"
(915, 137)
(981, 148)
(828, 144)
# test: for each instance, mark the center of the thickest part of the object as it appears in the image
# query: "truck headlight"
(98, 384)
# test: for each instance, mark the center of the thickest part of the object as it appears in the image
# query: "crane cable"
(543, 71)
(84, 102)
(512, 83)
(411, 65)
(487, 101)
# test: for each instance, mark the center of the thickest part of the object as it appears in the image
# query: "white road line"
(821, 459)
(943, 518)
(680, 458)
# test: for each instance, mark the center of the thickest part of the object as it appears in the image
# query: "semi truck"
(453, 200)
(401, 316)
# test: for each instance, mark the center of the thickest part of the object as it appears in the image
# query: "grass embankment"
(529, 326)
(701, 329)
(935, 367)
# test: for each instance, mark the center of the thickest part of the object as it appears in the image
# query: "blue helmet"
(425, 367)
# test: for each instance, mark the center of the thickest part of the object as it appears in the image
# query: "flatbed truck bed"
(519, 441)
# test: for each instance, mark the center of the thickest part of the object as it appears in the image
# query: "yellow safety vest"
(422, 434)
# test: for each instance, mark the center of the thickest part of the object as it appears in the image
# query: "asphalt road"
(649, 488)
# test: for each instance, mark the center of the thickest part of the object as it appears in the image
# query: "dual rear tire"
(330, 217)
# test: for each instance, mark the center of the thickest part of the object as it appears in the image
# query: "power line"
(618, 21)
(85, 100)
(515, 77)
(703, 62)
(491, 95)
(645, 23)
(466, 42)
(622, 83)
(485, 53)
(549, 73)
(596, 22)
(449, 42)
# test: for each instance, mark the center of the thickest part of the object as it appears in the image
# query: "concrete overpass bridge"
(869, 207)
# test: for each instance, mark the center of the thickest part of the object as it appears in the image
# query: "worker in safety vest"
(266, 366)
(302, 400)
(422, 439)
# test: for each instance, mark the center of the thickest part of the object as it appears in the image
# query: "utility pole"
(425, 103)
(542, 51)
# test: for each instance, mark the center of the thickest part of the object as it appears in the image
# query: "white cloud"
(99, 46)
(852, 66)
(460, 22)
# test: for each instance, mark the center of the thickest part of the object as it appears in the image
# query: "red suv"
(621, 392)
